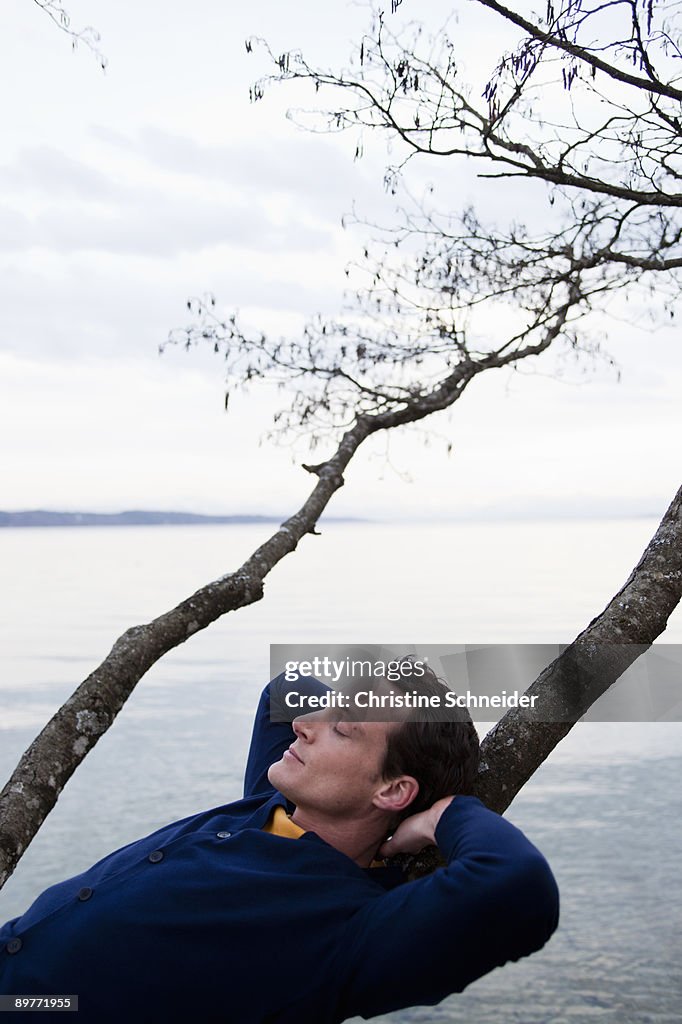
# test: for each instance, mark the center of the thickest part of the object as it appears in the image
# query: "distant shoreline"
(41, 517)
(139, 517)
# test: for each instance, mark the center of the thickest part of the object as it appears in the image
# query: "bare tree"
(584, 109)
(418, 335)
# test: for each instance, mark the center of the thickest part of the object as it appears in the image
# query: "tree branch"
(89, 36)
(45, 768)
(581, 53)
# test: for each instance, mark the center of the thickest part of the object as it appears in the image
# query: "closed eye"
(336, 729)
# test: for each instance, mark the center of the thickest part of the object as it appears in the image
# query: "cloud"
(307, 168)
(99, 254)
(98, 306)
(51, 171)
(151, 224)
(16, 229)
(99, 213)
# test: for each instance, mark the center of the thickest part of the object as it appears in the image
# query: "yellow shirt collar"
(280, 824)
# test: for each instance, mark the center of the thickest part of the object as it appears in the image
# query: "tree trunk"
(516, 747)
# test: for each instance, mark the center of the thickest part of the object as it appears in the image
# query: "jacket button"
(155, 856)
(14, 945)
(85, 893)
(223, 835)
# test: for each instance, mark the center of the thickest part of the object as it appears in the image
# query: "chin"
(277, 776)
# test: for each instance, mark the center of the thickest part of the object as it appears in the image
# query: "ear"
(395, 795)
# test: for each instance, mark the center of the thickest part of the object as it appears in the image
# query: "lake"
(605, 808)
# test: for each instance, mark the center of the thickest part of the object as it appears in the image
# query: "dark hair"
(441, 755)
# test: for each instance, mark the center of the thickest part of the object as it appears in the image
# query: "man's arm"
(271, 733)
(495, 901)
(417, 831)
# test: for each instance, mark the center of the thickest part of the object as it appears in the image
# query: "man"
(269, 909)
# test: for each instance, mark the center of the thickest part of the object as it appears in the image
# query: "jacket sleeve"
(272, 732)
(496, 901)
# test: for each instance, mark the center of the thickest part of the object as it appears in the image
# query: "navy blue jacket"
(211, 919)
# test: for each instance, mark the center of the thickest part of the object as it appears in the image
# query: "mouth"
(290, 754)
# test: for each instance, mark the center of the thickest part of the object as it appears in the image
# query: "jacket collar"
(388, 876)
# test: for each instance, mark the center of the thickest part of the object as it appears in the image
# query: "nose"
(301, 728)
(304, 726)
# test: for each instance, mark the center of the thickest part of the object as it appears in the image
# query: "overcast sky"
(121, 194)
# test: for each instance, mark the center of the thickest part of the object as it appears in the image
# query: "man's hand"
(416, 832)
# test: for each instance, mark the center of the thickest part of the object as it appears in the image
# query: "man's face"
(332, 767)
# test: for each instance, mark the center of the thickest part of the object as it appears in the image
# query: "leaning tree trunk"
(629, 624)
(50, 761)
(516, 747)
